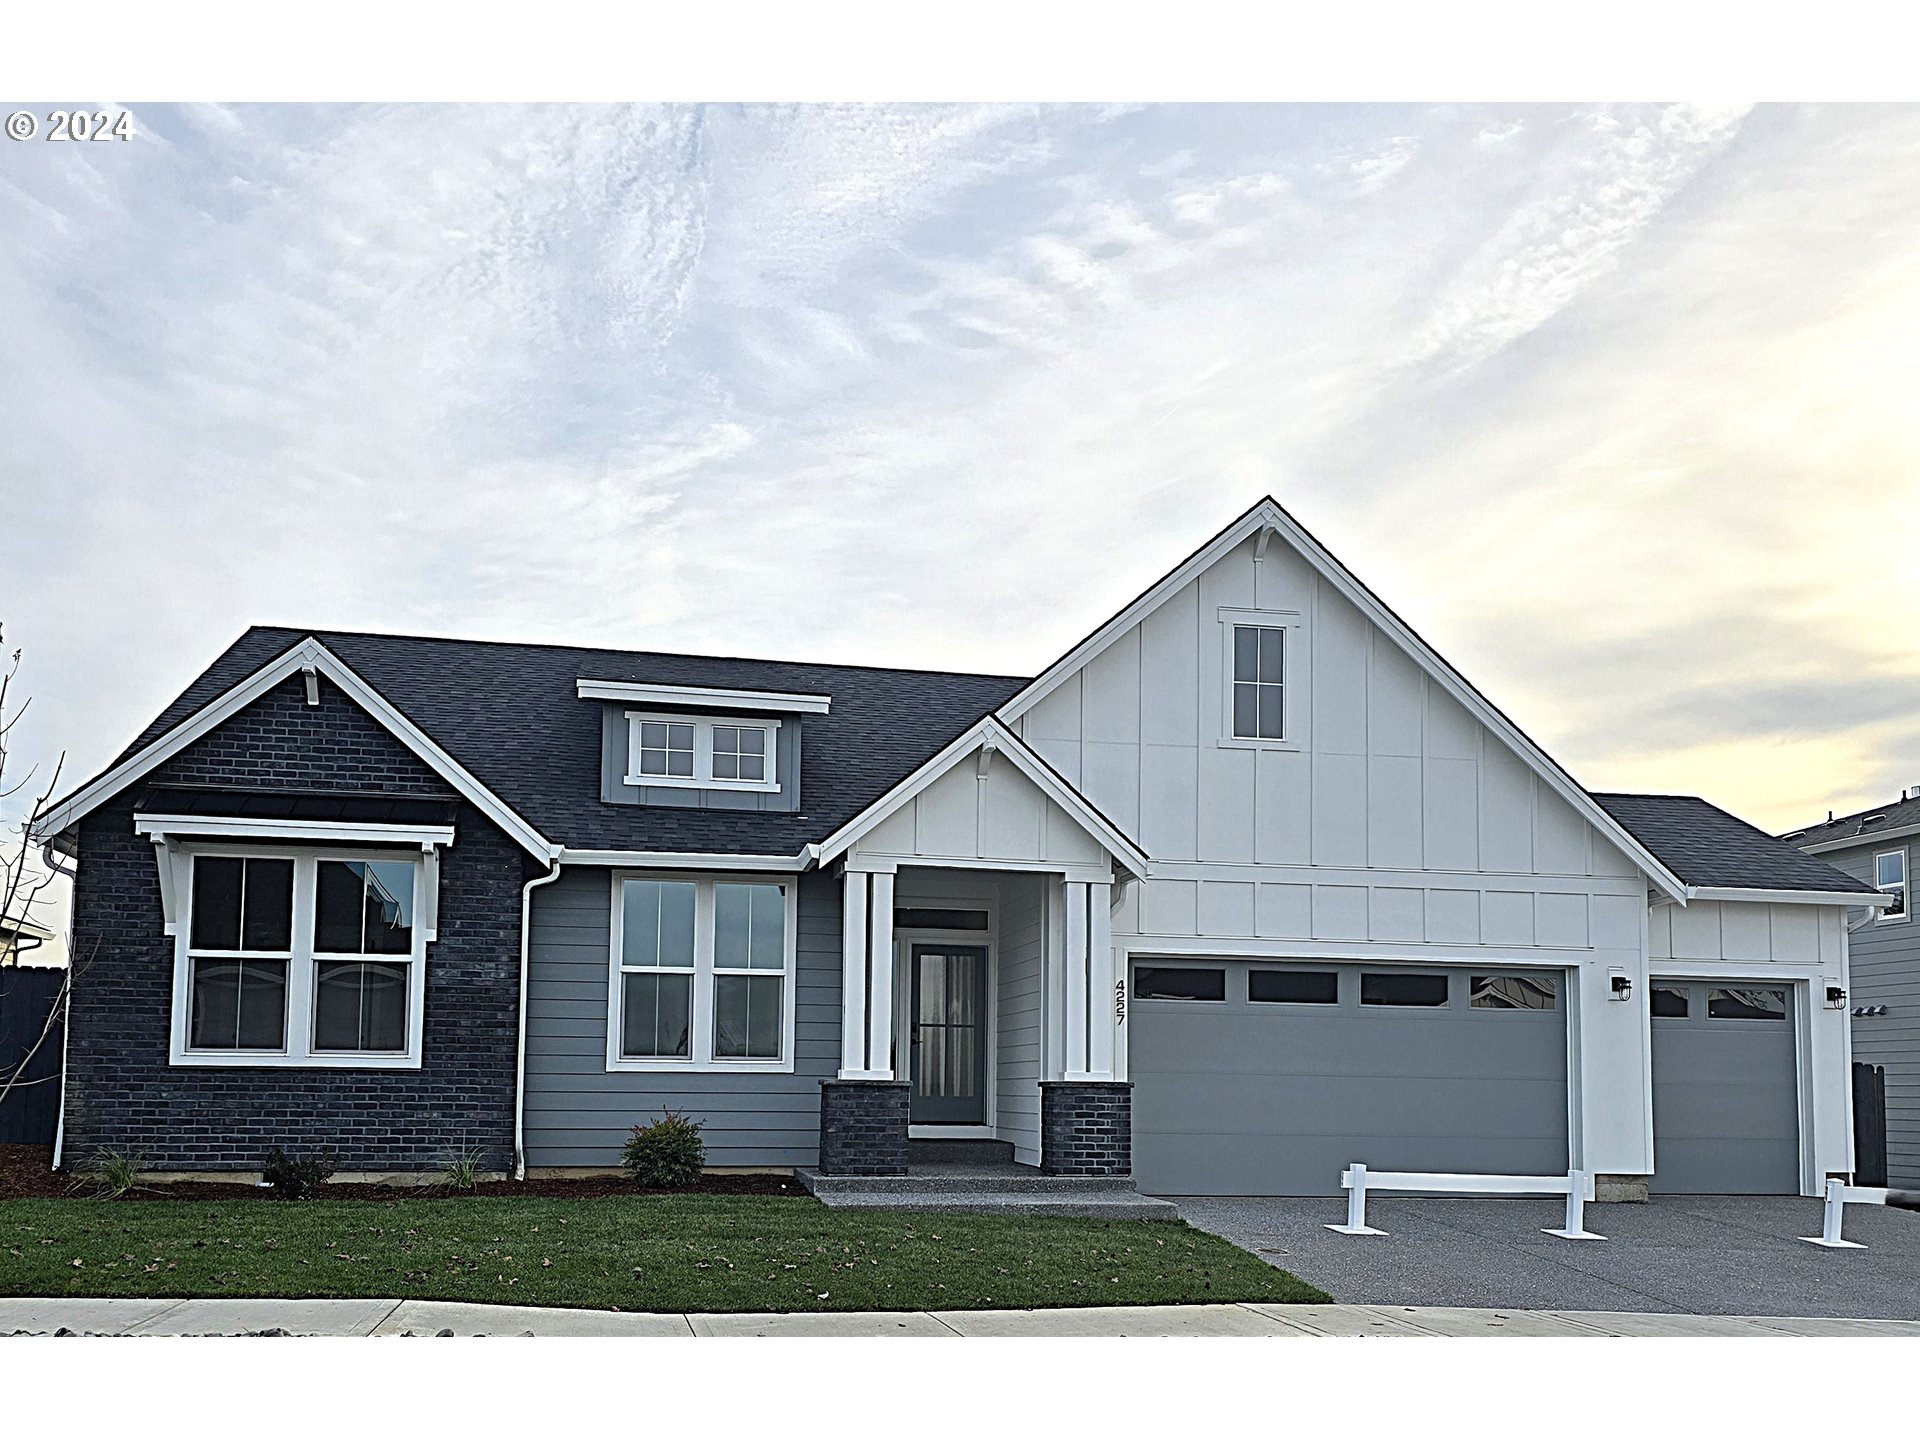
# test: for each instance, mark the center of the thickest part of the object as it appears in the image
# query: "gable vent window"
(692, 752)
(1259, 682)
(1890, 878)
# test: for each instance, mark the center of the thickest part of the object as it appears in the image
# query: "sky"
(1615, 405)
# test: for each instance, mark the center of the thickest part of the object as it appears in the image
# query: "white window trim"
(1292, 716)
(702, 777)
(298, 1051)
(700, 1059)
(1906, 894)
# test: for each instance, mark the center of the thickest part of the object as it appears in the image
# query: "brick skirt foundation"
(863, 1127)
(1086, 1127)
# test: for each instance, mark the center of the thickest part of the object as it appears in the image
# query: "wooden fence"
(32, 1109)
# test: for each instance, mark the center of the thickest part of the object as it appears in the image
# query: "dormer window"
(700, 752)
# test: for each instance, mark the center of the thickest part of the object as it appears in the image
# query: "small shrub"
(292, 1178)
(112, 1173)
(666, 1155)
(463, 1170)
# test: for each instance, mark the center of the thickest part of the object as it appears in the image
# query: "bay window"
(702, 974)
(299, 958)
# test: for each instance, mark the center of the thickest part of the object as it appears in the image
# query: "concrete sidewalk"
(439, 1317)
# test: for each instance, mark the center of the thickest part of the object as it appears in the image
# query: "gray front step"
(965, 1179)
(1111, 1205)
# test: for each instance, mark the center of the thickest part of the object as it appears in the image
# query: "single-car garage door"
(1258, 1078)
(1726, 1108)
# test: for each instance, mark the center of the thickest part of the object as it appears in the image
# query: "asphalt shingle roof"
(1865, 824)
(1706, 846)
(511, 715)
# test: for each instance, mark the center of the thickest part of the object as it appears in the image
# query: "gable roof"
(1712, 850)
(990, 731)
(1891, 821)
(1267, 518)
(510, 717)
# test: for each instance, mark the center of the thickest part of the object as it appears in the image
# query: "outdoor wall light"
(1836, 998)
(1619, 985)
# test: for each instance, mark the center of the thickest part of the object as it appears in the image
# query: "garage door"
(1726, 1109)
(1253, 1078)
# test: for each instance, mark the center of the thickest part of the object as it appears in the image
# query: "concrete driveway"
(1699, 1255)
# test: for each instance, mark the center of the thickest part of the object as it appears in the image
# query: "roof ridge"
(321, 632)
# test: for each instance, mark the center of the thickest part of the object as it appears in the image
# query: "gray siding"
(1884, 962)
(579, 1114)
(1018, 1043)
(615, 790)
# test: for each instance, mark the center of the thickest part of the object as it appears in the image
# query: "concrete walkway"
(439, 1317)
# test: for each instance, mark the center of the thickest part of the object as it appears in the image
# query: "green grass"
(698, 1253)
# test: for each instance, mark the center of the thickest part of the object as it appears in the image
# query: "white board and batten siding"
(1390, 823)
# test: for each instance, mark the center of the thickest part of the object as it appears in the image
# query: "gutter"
(520, 1040)
(1850, 842)
(47, 854)
(1871, 899)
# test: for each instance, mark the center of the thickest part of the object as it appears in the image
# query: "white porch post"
(1100, 1013)
(1076, 1059)
(853, 978)
(880, 980)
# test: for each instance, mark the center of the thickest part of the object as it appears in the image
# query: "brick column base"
(863, 1127)
(1086, 1127)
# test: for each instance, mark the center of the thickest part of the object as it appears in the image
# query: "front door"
(948, 1035)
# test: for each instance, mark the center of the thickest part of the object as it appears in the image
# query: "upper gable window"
(1259, 682)
(708, 754)
(1260, 701)
(1890, 878)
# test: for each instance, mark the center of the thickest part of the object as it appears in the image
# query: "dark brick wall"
(122, 1093)
(863, 1127)
(1086, 1127)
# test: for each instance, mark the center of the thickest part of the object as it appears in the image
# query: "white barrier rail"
(1576, 1185)
(1839, 1196)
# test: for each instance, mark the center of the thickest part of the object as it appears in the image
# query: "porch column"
(880, 979)
(1086, 1115)
(853, 978)
(864, 1111)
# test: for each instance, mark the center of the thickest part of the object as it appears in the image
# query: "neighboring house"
(1878, 847)
(1247, 886)
(19, 938)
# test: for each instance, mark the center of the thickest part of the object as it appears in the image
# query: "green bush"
(666, 1155)
(112, 1173)
(463, 1170)
(292, 1178)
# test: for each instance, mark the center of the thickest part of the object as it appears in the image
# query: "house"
(20, 937)
(1247, 886)
(1876, 846)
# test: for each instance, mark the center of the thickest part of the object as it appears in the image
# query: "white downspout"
(66, 1018)
(520, 1052)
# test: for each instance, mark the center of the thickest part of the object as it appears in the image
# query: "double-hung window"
(300, 959)
(1890, 878)
(702, 974)
(694, 752)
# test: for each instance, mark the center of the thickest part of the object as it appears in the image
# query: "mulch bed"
(26, 1173)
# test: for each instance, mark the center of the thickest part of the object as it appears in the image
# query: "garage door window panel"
(1378, 987)
(1190, 983)
(1669, 1002)
(1742, 1002)
(1293, 987)
(1513, 992)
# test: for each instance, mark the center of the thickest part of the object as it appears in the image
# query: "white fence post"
(1355, 1179)
(1575, 1227)
(1833, 1216)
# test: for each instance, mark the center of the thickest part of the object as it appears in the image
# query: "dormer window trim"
(703, 728)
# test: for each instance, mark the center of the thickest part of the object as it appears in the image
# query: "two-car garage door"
(1258, 1078)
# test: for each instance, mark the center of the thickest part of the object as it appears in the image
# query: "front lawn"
(697, 1253)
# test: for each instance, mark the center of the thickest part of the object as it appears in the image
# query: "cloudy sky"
(1616, 406)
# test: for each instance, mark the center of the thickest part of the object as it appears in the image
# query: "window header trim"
(705, 697)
